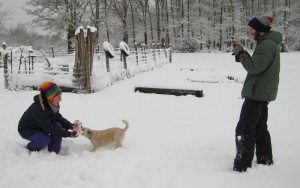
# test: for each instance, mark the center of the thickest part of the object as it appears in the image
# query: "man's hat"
(261, 24)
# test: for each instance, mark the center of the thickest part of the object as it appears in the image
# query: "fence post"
(4, 45)
(125, 63)
(158, 49)
(11, 61)
(5, 68)
(107, 63)
(166, 55)
(153, 48)
(30, 59)
(136, 53)
(84, 61)
(142, 54)
(90, 48)
(170, 54)
(144, 46)
(52, 51)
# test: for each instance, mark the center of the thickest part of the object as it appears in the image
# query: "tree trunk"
(200, 15)
(221, 27)
(97, 18)
(106, 23)
(172, 13)
(167, 29)
(182, 19)
(145, 22)
(125, 29)
(157, 19)
(188, 20)
(132, 19)
(70, 38)
(151, 25)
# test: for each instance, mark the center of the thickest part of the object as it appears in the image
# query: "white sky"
(18, 15)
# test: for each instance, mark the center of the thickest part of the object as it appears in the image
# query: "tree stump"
(84, 53)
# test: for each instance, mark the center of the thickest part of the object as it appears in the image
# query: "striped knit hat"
(261, 24)
(50, 90)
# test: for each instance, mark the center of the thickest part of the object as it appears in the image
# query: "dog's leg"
(94, 148)
(119, 140)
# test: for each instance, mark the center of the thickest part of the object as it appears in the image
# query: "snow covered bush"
(187, 45)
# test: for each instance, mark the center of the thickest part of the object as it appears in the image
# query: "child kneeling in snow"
(42, 124)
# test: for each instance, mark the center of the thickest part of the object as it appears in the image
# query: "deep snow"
(171, 141)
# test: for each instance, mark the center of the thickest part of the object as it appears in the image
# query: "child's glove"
(73, 134)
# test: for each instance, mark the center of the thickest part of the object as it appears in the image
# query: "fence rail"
(23, 71)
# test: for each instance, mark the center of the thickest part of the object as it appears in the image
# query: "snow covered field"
(172, 142)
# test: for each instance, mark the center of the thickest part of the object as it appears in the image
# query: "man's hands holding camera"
(237, 48)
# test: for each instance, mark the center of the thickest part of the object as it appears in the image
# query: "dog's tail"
(126, 123)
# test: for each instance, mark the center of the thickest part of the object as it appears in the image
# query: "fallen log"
(165, 91)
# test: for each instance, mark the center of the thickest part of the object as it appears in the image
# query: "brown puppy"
(100, 138)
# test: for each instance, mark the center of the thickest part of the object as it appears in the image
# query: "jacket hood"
(36, 99)
(273, 35)
(40, 100)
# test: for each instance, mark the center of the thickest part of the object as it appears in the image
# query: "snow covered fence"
(28, 70)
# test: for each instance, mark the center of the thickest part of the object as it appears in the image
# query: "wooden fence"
(28, 71)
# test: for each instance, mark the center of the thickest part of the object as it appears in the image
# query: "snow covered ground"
(171, 142)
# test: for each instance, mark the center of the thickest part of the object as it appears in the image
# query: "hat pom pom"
(270, 19)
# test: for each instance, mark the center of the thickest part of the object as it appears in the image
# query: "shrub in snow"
(109, 50)
(187, 45)
(124, 49)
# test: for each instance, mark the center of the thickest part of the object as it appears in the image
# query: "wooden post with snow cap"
(83, 67)
(79, 54)
(125, 52)
(4, 45)
(109, 53)
(107, 63)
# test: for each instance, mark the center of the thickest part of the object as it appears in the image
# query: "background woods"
(189, 25)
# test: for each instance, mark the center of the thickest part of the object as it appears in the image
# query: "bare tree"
(158, 18)
(143, 8)
(106, 19)
(95, 11)
(4, 16)
(133, 23)
(60, 16)
(121, 8)
(190, 22)
(19, 34)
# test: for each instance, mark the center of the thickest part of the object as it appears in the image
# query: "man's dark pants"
(251, 131)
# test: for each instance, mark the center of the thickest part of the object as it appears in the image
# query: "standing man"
(260, 87)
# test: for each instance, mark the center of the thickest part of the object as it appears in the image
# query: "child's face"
(56, 100)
